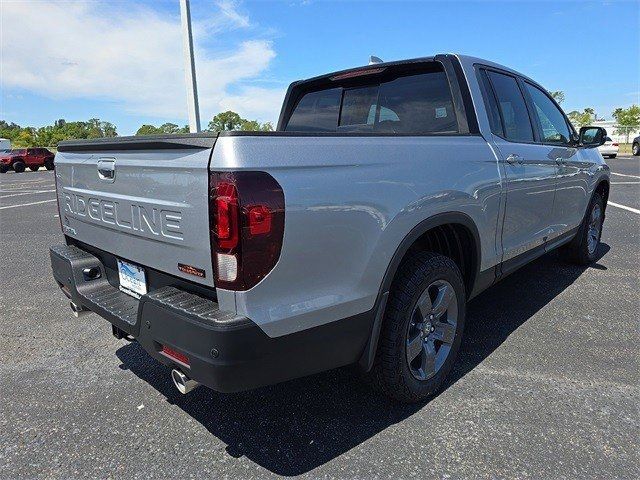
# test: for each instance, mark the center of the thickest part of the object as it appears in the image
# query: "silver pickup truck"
(389, 196)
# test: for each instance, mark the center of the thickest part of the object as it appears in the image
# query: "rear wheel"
(18, 167)
(582, 249)
(612, 156)
(49, 165)
(422, 328)
(34, 169)
(3, 169)
(635, 149)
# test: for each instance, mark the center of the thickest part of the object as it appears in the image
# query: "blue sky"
(121, 61)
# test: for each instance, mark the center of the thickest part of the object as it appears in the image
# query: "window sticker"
(441, 112)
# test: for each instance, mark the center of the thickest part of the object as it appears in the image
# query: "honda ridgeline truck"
(389, 196)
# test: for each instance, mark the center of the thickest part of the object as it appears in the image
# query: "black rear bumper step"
(68, 263)
(98, 295)
(226, 352)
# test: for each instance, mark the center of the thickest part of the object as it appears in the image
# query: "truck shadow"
(294, 427)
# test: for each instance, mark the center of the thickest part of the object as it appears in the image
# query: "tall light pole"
(189, 67)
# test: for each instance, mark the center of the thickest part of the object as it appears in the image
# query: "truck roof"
(465, 60)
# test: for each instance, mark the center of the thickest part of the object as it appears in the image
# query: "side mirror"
(592, 136)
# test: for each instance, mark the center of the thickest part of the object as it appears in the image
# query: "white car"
(609, 149)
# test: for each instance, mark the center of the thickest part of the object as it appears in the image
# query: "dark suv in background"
(20, 158)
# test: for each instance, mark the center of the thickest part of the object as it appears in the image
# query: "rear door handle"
(560, 161)
(514, 159)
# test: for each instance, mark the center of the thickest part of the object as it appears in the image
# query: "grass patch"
(625, 149)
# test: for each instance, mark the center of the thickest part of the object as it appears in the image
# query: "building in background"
(615, 132)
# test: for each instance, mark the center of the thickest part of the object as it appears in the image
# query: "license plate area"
(133, 280)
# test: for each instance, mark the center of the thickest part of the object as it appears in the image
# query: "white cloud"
(257, 98)
(229, 10)
(132, 56)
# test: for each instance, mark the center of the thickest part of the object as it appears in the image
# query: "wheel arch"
(413, 240)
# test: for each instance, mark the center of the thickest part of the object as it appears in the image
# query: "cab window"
(551, 122)
(516, 124)
(405, 103)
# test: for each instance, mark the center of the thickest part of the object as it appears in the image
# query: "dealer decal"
(198, 272)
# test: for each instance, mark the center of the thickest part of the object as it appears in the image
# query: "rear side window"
(513, 110)
(411, 104)
(490, 102)
(316, 112)
(551, 122)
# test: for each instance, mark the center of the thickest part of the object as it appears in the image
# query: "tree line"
(222, 121)
(51, 135)
(628, 119)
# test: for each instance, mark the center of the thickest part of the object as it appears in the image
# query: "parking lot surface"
(547, 385)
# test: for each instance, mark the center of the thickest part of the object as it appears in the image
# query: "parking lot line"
(625, 183)
(35, 203)
(30, 182)
(624, 175)
(31, 192)
(624, 207)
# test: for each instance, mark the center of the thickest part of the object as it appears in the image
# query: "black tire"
(49, 165)
(393, 373)
(18, 167)
(635, 149)
(3, 169)
(579, 250)
(34, 169)
(613, 156)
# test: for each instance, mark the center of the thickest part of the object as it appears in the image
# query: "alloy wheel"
(432, 329)
(595, 228)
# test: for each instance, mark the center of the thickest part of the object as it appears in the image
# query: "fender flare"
(368, 355)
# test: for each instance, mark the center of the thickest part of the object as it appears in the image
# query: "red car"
(20, 158)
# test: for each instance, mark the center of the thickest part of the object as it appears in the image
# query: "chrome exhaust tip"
(183, 383)
(78, 310)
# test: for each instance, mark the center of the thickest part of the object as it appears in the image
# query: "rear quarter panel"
(350, 201)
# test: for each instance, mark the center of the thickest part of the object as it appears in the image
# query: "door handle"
(560, 161)
(513, 159)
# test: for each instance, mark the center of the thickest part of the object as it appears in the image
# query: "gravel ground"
(547, 385)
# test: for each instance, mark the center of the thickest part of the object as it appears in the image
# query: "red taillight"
(259, 219)
(175, 355)
(615, 145)
(246, 214)
(226, 215)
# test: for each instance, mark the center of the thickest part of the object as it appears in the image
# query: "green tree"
(164, 129)
(226, 121)
(628, 119)
(558, 96)
(581, 119)
(51, 135)
(148, 130)
(232, 121)
(266, 127)
(172, 128)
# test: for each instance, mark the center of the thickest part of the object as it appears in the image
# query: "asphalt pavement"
(547, 385)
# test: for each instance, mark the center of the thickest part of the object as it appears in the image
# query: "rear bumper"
(226, 352)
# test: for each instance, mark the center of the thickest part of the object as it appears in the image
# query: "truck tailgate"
(145, 200)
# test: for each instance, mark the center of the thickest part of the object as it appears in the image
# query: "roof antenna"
(373, 60)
